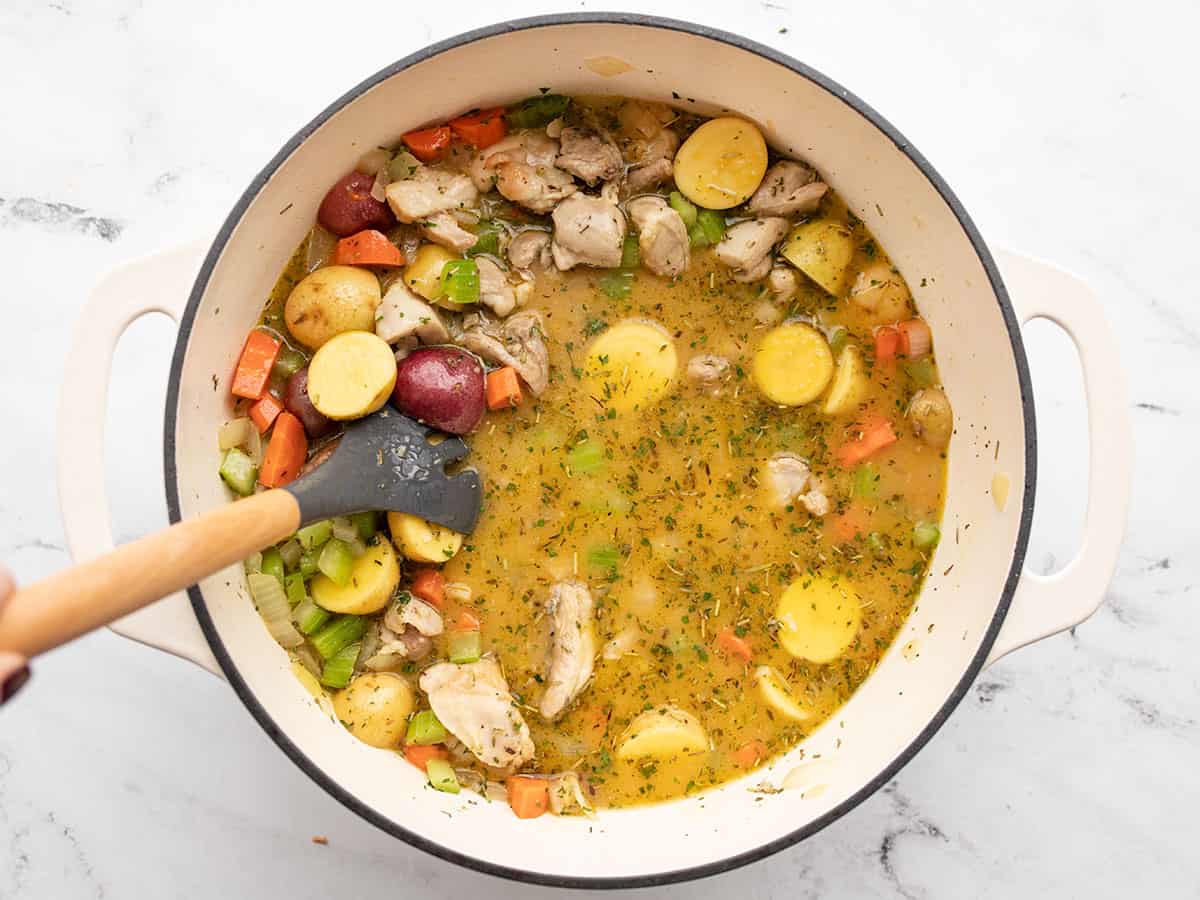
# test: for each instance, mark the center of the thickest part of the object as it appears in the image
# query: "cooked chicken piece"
(430, 191)
(528, 148)
(788, 188)
(394, 649)
(747, 247)
(402, 314)
(567, 796)
(494, 290)
(708, 371)
(572, 646)
(642, 178)
(790, 479)
(767, 313)
(588, 231)
(442, 228)
(530, 249)
(815, 502)
(589, 155)
(404, 347)
(521, 166)
(662, 236)
(783, 283)
(621, 644)
(517, 342)
(417, 613)
(474, 703)
(931, 417)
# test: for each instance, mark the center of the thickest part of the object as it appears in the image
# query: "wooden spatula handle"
(75, 601)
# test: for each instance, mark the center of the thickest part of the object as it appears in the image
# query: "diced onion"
(234, 433)
(379, 188)
(622, 644)
(291, 552)
(319, 252)
(916, 337)
(253, 563)
(344, 530)
(273, 607)
(373, 160)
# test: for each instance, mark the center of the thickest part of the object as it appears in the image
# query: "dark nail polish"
(13, 683)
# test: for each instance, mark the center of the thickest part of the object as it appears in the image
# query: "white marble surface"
(1069, 130)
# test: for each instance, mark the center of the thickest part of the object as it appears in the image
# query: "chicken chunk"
(428, 192)
(531, 249)
(588, 155)
(494, 290)
(587, 231)
(420, 615)
(394, 649)
(474, 703)
(789, 479)
(643, 178)
(402, 314)
(746, 247)
(662, 236)
(783, 283)
(442, 228)
(708, 371)
(572, 646)
(537, 189)
(518, 342)
(522, 169)
(789, 188)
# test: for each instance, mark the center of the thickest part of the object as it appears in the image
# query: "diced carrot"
(286, 452)
(419, 755)
(848, 524)
(728, 641)
(887, 344)
(875, 434)
(750, 754)
(254, 366)
(430, 586)
(915, 338)
(263, 413)
(429, 144)
(503, 389)
(480, 129)
(529, 797)
(367, 248)
(467, 621)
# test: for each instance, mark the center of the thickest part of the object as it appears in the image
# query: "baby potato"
(330, 301)
(793, 364)
(775, 692)
(881, 293)
(351, 375)
(822, 250)
(423, 541)
(424, 273)
(931, 417)
(722, 163)
(818, 617)
(372, 581)
(849, 383)
(631, 365)
(375, 707)
(662, 733)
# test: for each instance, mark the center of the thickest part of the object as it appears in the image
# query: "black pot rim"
(330, 784)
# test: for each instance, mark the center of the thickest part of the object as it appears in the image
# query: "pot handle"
(158, 283)
(1047, 604)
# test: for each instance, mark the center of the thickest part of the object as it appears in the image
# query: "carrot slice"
(875, 434)
(254, 366)
(429, 144)
(529, 797)
(419, 755)
(728, 641)
(430, 586)
(848, 524)
(503, 389)
(750, 754)
(367, 248)
(286, 452)
(887, 344)
(263, 413)
(480, 129)
(467, 621)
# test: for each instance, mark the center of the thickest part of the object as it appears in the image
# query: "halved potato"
(424, 273)
(372, 581)
(352, 375)
(330, 301)
(822, 250)
(722, 163)
(774, 690)
(793, 364)
(423, 541)
(818, 618)
(375, 707)
(631, 365)
(849, 383)
(881, 292)
(663, 732)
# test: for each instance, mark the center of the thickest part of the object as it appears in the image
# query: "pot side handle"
(1047, 604)
(158, 283)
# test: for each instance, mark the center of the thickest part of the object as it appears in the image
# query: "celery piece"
(314, 535)
(308, 563)
(926, 535)
(441, 776)
(697, 238)
(686, 209)
(631, 253)
(605, 556)
(272, 564)
(585, 457)
(538, 111)
(919, 370)
(308, 616)
(366, 524)
(293, 585)
(866, 480)
(238, 471)
(487, 238)
(288, 363)
(425, 729)
(712, 224)
(616, 285)
(336, 561)
(464, 646)
(337, 634)
(460, 281)
(339, 668)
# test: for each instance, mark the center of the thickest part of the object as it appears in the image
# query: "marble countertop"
(1069, 133)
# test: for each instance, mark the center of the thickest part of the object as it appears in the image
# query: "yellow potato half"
(793, 364)
(424, 273)
(375, 707)
(775, 692)
(372, 581)
(423, 541)
(849, 383)
(818, 618)
(330, 301)
(662, 733)
(722, 163)
(352, 375)
(631, 365)
(822, 250)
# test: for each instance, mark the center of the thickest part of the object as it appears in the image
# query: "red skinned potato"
(296, 401)
(349, 207)
(442, 387)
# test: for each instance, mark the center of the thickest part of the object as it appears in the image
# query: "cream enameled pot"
(977, 604)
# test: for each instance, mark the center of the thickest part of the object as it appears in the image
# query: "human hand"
(14, 670)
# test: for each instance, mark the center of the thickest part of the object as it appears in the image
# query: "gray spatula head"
(386, 461)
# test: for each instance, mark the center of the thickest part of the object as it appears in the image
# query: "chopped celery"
(838, 338)
(686, 209)
(631, 253)
(606, 557)
(538, 111)
(402, 165)
(442, 777)
(337, 634)
(308, 616)
(314, 535)
(366, 524)
(460, 281)
(296, 592)
(239, 471)
(866, 480)
(617, 285)
(337, 561)
(919, 370)
(697, 237)
(607, 500)
(308, 563)
(487, 238)
(339, 668)
(464, 646)
(926, 535)
(585, 457)
(711, 224)
(272, 564)
(288, 363)
(425, 729)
